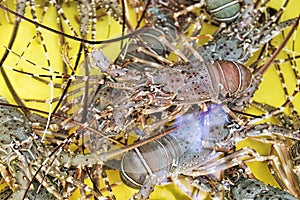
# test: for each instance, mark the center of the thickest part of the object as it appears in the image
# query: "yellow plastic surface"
(28, 88)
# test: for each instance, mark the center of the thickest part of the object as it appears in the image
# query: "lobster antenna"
(263, 69)
(135, 32)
